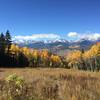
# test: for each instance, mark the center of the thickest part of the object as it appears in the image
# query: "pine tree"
(2, 43)
(8, 40)
(2, 49)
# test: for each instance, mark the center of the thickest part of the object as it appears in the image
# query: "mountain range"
(57, 45)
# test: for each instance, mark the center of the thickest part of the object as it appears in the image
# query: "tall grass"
(51, 84)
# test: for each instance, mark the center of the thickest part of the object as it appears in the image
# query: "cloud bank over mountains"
(52, 36)
(37, 36)
(88, 36)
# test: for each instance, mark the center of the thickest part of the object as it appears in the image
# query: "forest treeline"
(11, 55)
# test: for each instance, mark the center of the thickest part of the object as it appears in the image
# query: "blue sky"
(60, 17)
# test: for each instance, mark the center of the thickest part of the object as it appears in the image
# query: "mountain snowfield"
(53, 42)
(71, 37)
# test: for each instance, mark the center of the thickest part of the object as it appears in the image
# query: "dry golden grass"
(56, 84)
(30, 73)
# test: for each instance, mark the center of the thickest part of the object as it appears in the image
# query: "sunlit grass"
(56, 84)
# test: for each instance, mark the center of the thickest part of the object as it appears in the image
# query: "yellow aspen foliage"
(87, 55)
(14, 49)
(26, 51)
(35, 54)
(44, 54)
(55, 58)
(74, 57)
(93, 52)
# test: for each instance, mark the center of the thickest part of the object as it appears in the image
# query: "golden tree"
(55, 61)
(35, 57)
(44, 57)
(14, 49)
(25, 51)
(74, 59)
(92, 57)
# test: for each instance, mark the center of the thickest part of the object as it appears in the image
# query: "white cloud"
(36, 36)
(92, 36)
(72, 34)
(89, 36)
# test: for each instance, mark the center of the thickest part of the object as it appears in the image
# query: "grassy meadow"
(50, 84)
